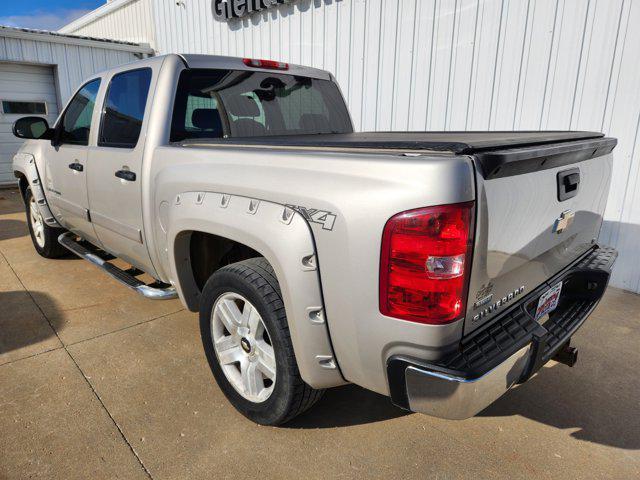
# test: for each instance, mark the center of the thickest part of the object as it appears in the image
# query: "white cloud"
(43, 20)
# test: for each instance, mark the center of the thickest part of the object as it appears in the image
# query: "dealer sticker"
(548, 301)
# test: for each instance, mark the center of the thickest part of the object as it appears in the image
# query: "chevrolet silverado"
(438, 268)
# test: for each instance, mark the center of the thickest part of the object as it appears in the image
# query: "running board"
(68, 240)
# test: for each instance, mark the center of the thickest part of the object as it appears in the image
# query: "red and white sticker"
(548, 301)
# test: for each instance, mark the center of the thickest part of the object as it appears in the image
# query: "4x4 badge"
(324, 218)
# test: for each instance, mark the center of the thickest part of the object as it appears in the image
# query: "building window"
(124, 108)
(22, 107)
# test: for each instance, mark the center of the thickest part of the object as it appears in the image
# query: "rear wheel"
(246, 339)
(44, 237)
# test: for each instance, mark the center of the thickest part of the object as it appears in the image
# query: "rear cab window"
(212, 103)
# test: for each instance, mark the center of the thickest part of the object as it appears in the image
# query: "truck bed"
(518, 194)
(497, 154)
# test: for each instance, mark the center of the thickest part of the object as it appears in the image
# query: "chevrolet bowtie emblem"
(563, 221)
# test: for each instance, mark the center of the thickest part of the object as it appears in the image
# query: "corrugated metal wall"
(20, 82)
(459, 65)
(69, 63)
(133, 22)
(74, 62)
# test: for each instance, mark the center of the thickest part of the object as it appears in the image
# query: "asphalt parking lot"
(97, 382)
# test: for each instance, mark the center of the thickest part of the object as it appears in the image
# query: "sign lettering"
(224, 10)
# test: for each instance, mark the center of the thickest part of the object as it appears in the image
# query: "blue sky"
(44, 14)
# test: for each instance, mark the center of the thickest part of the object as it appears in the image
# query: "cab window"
(243, 103)
(124, 109)
(76, 122)
(201, 118)
(249, 118)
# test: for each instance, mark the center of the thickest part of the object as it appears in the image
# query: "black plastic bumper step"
(584, 284)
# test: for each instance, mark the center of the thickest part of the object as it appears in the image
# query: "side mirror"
(32, 128)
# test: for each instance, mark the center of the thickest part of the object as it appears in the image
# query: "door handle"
(77, 166)
(127, 175)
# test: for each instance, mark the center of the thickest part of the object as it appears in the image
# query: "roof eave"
(55, 37)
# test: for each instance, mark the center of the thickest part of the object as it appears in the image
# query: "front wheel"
(44, 237)
(246, 339)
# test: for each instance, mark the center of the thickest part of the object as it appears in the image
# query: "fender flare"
(284, 238)
(25, 164)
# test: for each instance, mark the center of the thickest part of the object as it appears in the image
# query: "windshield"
(238, 103)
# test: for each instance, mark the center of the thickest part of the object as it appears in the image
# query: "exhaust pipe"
(567, 355)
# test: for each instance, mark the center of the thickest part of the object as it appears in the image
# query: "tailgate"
(539, 208)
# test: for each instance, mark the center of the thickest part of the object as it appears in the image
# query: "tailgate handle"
(568, 183)
(571, 181)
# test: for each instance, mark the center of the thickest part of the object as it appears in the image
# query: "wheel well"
(210, 252)
(23, 183)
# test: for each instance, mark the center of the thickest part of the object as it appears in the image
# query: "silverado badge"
(496, 305)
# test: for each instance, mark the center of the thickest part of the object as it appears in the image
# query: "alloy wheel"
(37, 224)
(243, 347)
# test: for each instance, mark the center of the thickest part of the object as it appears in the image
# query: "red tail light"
(270, 64)
(425, 263)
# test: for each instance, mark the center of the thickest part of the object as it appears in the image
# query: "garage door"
(24, 90)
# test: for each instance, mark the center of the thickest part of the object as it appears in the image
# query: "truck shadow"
(22, 323)
(346, 406)
(10, 201)
(10, 228)
(559, 398)
(556, 397)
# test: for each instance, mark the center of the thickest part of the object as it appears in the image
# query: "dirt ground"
(97, 382)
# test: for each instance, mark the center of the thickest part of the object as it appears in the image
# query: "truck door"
(65, 171)
(115, 168)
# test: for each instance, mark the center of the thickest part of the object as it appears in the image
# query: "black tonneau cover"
(497, 154)
(454, 142)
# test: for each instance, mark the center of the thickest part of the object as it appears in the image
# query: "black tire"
(51, 247)
(255, 280)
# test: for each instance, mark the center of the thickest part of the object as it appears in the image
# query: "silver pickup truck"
(438, 268)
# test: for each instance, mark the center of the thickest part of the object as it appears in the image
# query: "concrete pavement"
(97, 382)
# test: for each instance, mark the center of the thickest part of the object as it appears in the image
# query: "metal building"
(40, 70)
(124, 20)
(439, 65)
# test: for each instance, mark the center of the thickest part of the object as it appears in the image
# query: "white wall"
(70, 60)
(127, 20)
(73, 63)
(459, 65)
(22, 83)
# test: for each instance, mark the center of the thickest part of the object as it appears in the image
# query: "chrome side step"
(68, 240)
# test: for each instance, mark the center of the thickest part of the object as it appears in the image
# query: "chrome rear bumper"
(508, 351)
(457, 398)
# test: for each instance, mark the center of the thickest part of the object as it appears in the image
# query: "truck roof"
(236, 63)
(222, 62)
